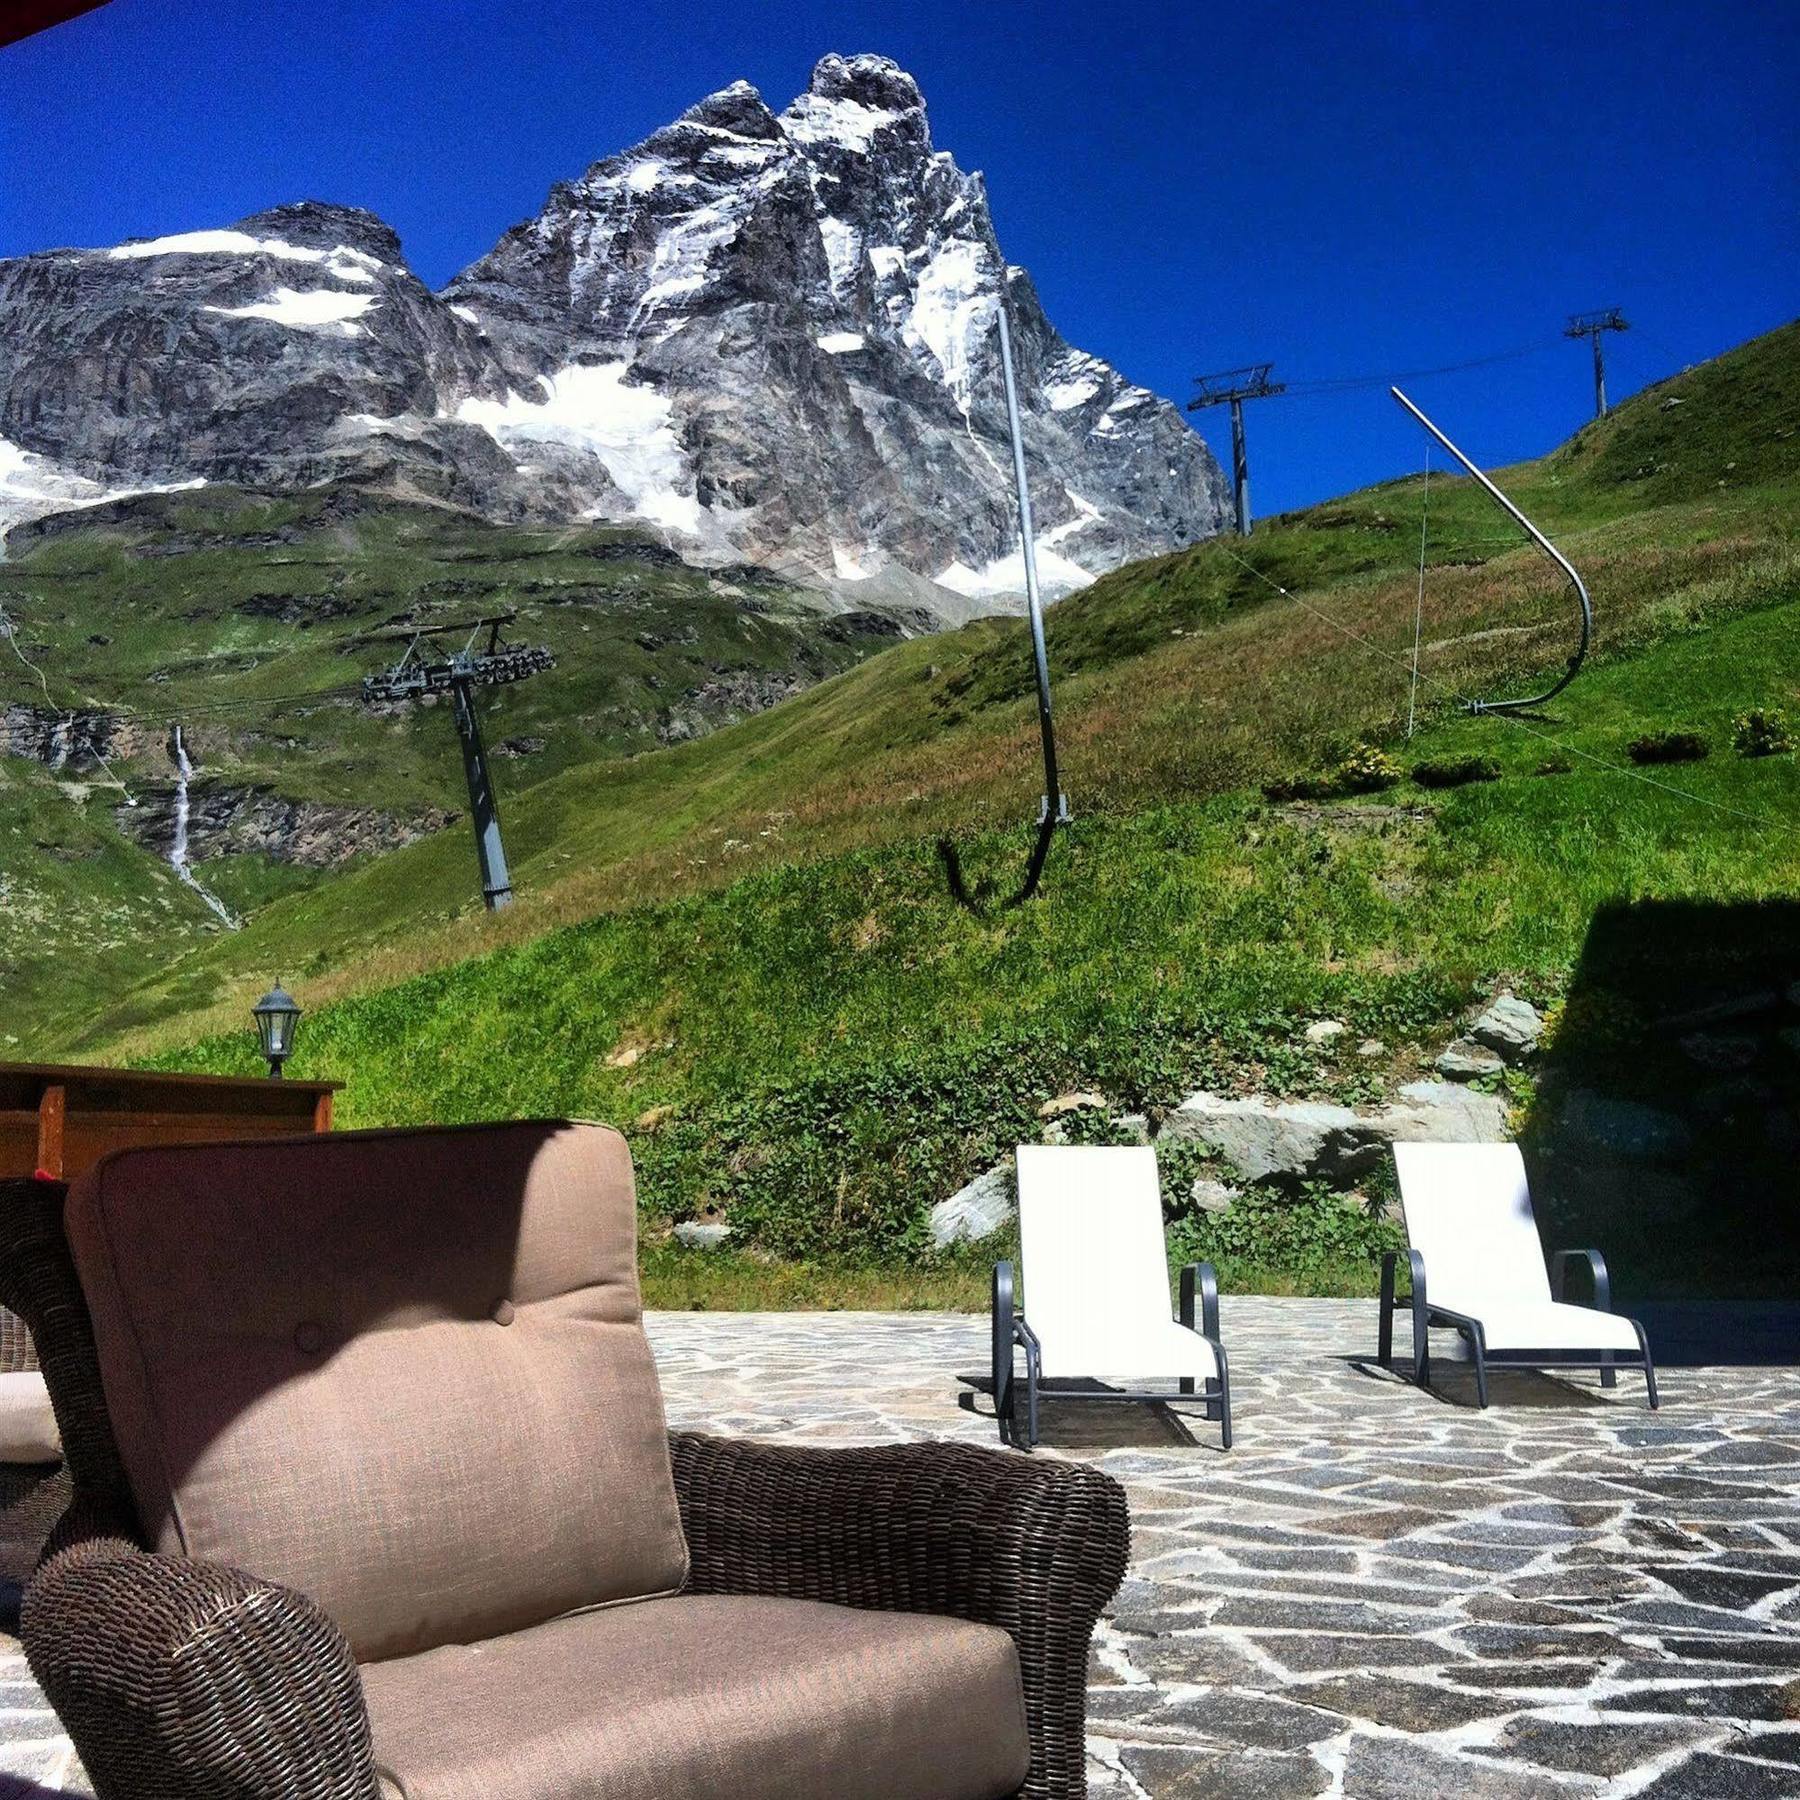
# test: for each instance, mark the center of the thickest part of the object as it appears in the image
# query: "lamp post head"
(277, 1016)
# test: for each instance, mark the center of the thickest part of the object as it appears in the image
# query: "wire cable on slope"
(1454, 693)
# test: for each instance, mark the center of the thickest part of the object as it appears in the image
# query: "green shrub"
(1762, 731)
(1455, 771)
(1668, 747)
(1366, 770)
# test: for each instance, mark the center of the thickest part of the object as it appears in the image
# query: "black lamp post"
(277, 1016)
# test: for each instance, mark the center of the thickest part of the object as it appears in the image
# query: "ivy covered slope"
(743, 943)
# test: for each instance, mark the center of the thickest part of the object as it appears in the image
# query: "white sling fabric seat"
(1468, 1212)
(1096, 1272)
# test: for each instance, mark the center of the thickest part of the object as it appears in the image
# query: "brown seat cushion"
(403, 1371)
(708, 1698)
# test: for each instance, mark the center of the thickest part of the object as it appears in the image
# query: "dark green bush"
(1455, 771)
(1668, 747)
(1367, 769)
(1762, 731)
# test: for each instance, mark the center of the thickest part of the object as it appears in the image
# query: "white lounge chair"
(1474, 1238)
(1097, 1292)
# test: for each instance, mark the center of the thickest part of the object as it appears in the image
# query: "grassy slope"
(1153, 664)
(838, 1044)
(196, 607)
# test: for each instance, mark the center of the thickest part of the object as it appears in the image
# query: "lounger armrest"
(1415, 1274)
(1559, 1274)
(1037, 1548)
(1205, 1277)
(183, 1680)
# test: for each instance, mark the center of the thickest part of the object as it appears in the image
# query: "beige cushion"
(708, 1698)
(404, 1372)
(27, 1425)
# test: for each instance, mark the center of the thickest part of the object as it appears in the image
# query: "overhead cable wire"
(1450, 689)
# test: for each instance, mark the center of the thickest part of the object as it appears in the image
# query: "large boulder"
(1292, 1141)
(1441, 1112)
(1624, 1128)
(977, 1211)
(1267, 1140)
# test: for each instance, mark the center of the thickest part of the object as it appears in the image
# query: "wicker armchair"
(33, 1495)
(864, 1624)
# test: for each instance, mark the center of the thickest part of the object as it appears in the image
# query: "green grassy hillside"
(249, 620)
(745, 943)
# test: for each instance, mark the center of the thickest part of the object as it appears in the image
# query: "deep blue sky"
(1342, 189)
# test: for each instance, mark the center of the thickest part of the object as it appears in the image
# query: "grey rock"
(1511, 1026)
(1398, 1769)
(1626, 1128)
(1467, 1060)
(784, 323)
(229, 820)
(1371, 1047)
(1213, 1196)
(699, 1234)
(1166, 1772)
(1325, 1031)
(1267, 1140)
(986, 1205)
(1440, 1112)
(1135, 1126)
(1592, 1749)
(1708, 1777)
(1303, 1140)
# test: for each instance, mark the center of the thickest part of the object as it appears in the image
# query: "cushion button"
(309, 1338)
(503, 1312)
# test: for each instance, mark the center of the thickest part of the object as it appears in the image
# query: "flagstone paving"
(1377, 1593)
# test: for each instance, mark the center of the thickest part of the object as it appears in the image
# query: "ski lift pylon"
(1548, 548)
(1053, 807)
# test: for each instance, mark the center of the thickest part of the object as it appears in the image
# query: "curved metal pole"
(1545, 545)
(1053, 809)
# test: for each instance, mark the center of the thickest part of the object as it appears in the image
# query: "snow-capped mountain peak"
(770, 335)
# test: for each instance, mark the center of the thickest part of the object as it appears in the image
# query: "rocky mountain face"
(772, 336)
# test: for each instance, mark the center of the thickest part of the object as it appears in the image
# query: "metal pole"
(1055, 805)
(1599, 376)
(1240, 470)
(484, 808)
(1544, 544)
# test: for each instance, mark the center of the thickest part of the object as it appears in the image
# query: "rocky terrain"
(771, 336)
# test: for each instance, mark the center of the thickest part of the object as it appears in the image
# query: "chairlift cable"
(1514, 719)
(1412, 696)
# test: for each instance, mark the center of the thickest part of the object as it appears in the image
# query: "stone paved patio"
(1377, 1593)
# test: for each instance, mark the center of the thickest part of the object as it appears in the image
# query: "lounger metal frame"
(1425, 1315)
(1012, 1333)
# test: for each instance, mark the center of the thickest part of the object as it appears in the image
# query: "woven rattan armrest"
(182, 1680)
(1035, 1547)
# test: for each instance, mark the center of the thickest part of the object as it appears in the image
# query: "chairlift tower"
(1595, 325)
(1232, 387)
(459, 674)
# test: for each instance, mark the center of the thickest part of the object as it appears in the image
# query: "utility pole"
(1233, 387)
(459, 674)
(1593, 325)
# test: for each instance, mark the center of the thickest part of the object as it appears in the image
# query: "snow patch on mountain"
(306, 309)
(342, 261)
(1005, 575)
(33, 487)
(629, 427)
